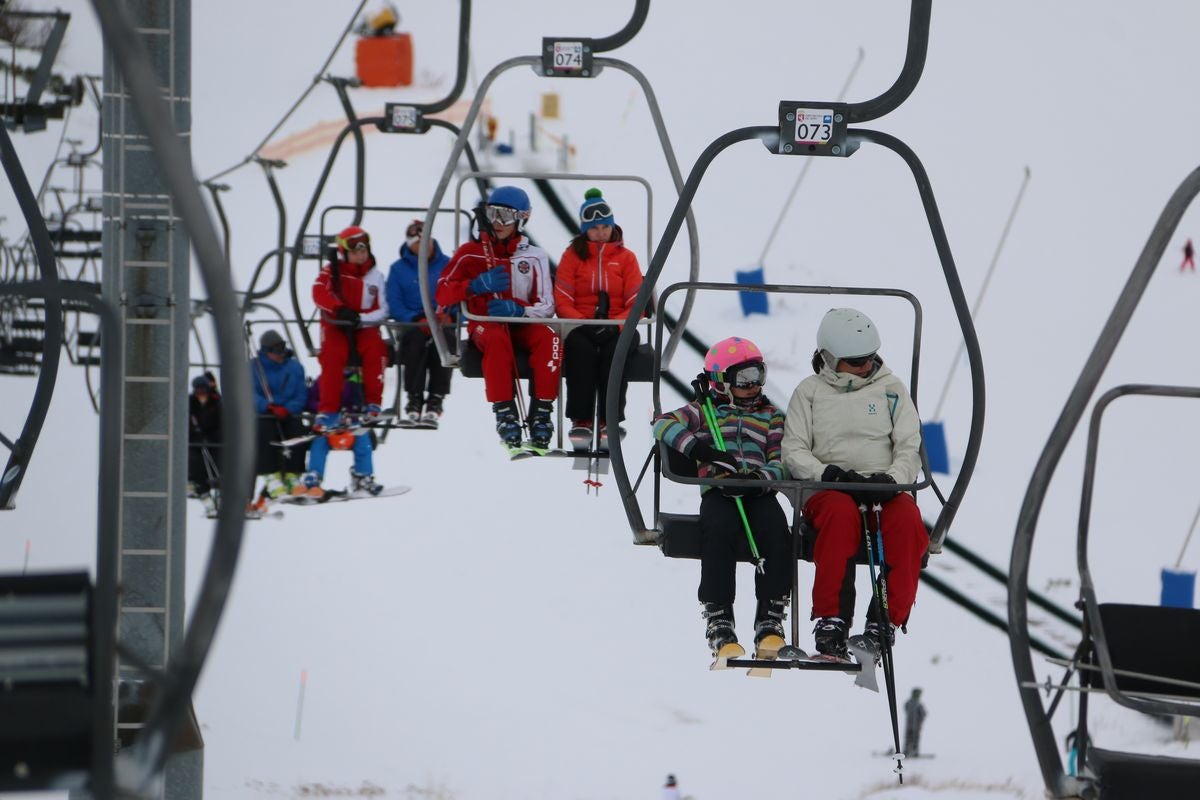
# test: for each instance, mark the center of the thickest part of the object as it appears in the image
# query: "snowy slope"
(493, 634)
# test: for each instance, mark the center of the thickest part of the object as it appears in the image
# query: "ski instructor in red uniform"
(351, 294)
(501, 274)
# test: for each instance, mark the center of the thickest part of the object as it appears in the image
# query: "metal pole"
(937, 411)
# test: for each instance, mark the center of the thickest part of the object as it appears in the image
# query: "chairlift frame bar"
(1058, 783)
(451, 359)
(1087, 586)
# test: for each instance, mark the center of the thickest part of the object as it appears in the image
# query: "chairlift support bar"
(450, 358)
(1057, 782)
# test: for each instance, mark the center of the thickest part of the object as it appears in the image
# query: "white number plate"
(568, 56)
(404, 117)
(814, 125)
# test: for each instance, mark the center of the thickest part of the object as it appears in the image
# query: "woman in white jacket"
(854, 422)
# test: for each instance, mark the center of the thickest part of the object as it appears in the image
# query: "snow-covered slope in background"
(493, 634)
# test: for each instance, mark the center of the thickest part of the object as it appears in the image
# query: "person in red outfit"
(501, 274)
(351, 295)
(598, 277)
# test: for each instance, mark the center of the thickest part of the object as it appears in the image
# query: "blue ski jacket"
(403, 286)
(284, 383)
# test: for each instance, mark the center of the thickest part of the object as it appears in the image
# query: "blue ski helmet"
(510, 196)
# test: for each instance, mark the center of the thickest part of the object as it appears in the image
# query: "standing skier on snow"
(854, 423)
(500, 274)
(752, 429)
(351, 295)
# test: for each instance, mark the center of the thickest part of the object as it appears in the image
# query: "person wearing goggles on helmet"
(853, 423)
(752, 430)
(417, 354)
(598, 277)
(502, 274)
(351, 295)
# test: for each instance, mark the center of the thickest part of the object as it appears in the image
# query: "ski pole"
(710, 417)
(880, 589)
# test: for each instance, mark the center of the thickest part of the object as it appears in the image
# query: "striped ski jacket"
(754, 435)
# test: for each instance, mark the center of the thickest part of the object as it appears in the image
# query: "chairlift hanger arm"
(910, 73)
(641, 10)
(1044, 740)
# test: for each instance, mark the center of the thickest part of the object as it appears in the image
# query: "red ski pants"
(335, 352)
(495, 341)
(839, 526)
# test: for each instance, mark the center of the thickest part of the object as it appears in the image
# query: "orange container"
(384, 60)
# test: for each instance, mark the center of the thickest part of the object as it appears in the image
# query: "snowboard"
(343, 495)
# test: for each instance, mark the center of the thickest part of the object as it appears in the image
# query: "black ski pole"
(879, 584)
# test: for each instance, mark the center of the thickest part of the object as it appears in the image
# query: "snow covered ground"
(493, 634)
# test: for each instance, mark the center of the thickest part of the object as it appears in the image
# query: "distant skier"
(418, 354)
(350, 293)
(280, 392)
(204, 440)
(670, 791)
(914, 718)
(752, 428)
(1189, 258)
(501, 274)
(853, 423)
(598, 277)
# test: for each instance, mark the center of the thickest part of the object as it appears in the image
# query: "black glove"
(721, 460)
(748, 491)
(835, 474)
(348, 315)
(881, 495)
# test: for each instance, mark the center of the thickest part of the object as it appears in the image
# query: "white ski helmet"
(846, 333)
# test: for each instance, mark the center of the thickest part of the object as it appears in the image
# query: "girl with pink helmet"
(751, 427)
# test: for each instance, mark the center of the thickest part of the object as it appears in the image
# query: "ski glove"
(495, 279)
(835, 474)
(278, 410)
(505, 308)
(747, 491)
(348, 315)
(724, 462)
(881, 495)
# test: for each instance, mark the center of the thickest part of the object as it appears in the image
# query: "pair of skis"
(343, 495)
(771, 654)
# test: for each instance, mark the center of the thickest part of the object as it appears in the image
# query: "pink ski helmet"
(731, 352)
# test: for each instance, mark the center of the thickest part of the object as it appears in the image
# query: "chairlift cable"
(316, 80)
(937, 411)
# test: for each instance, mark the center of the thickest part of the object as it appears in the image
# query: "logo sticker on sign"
(814, 125)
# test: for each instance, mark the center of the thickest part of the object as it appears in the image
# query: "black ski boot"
(541, 424)
(507, 423)
(722, 639)
(830, 636)
(768, 627)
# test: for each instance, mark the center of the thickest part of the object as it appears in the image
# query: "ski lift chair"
(1145, 657)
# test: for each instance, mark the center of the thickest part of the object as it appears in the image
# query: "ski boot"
(372, 411)
(604, 435)
(830, 637)
(210, 504)
(433, 411)
(722, 639)
(871, 639)
(412, 411)
(364, 483)
(308, 488)
(768, 627)
(541, 426)
(508, 425)
(326, 422)
(580, 434)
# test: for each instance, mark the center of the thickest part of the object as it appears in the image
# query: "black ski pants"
(272, 457)
(587, 358)
(418, 358)
(201, 471)
(723, 542)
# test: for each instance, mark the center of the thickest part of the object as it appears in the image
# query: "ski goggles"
(359, 241)
(414, 230)
(594, 212)
(860, 360)
(748, 376)
(502, 214)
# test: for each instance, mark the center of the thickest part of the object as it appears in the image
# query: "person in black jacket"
(204, 437)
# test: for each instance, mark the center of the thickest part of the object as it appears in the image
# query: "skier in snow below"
(501, 274)
(853, 423)
(752, 430)
(598, 277)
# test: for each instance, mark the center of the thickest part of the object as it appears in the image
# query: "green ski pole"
(710, 418)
